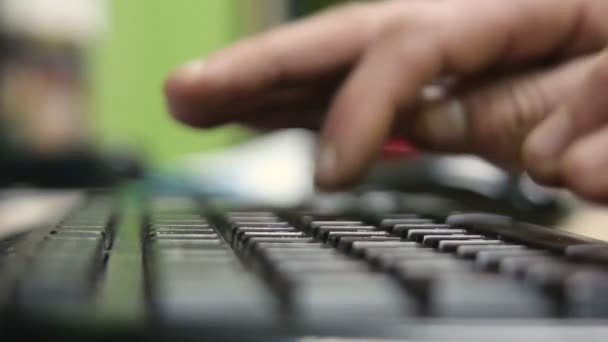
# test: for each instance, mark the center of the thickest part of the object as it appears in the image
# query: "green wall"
(144, 40)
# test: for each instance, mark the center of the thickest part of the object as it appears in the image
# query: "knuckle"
(504, 115)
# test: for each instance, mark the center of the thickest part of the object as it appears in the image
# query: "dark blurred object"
(82, 169)
(466, 183)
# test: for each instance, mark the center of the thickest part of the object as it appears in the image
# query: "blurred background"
(97, 67)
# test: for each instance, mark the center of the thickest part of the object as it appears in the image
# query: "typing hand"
(526, 81)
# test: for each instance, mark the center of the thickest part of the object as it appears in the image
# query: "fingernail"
(326, 165)
(444, 124)
(190, 71)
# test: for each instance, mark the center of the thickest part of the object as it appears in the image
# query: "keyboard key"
(589, 253)
(419, 234)
(585, 294)
(345, 242)
(359, 248)
(489, 260)
(334, 237)
(322, 231)
(313, 225)
(403, 229)
(472, 295)
(387, 258)
(349, 299)
(390, 223)
(471, 251)
(238, 232)
(451, 246)
(434, 240)
(524, 233)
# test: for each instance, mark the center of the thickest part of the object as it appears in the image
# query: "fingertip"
(581, 169)
(182, 89)
(335, 167)
(540, 168)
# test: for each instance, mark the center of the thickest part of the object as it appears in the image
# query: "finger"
(584, 114)
(583, 167)
(288, 101)
(310, 118)
(493, 118)
(301, 51)
(423, 47)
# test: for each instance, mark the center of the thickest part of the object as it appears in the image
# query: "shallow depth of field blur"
(87, 72)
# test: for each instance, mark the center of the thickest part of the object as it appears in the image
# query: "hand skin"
(525, 85)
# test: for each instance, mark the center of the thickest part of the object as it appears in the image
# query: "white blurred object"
(73, 20)
(23, 210)
(469, 172)
(275, 169)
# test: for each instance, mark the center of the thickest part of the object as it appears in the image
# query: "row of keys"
(193, 273)
(424, 256)
(64, 269)
(309, 275)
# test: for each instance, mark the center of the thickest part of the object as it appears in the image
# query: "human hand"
(526, 85)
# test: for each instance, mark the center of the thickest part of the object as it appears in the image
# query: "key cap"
(213, 296)
(252, 242)
(309, 244)
(259, 219)
(345, 242)
(182, 227)
(450, 246)
(331, 265)
(322, 231)
(434, 240)
(245, 237)
(365, 298)
(187, 243)
(390, 223)
(179, 233)
(310, 255)
(527, 234)
(180, 223)
(312, 225)
(489, 260)
(471, 295)
(470, 252)
(237, 233)
(517, 266)
(359, 248)
(385, 259)
(188, 254)
(548, 275)
(82, 227)
(419, 234)
(590, 253)
(181, 236)
(585, 294)
(403, 229)
(334, 237)
(260, 224)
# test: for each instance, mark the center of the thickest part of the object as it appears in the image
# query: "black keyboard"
(160, 269)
